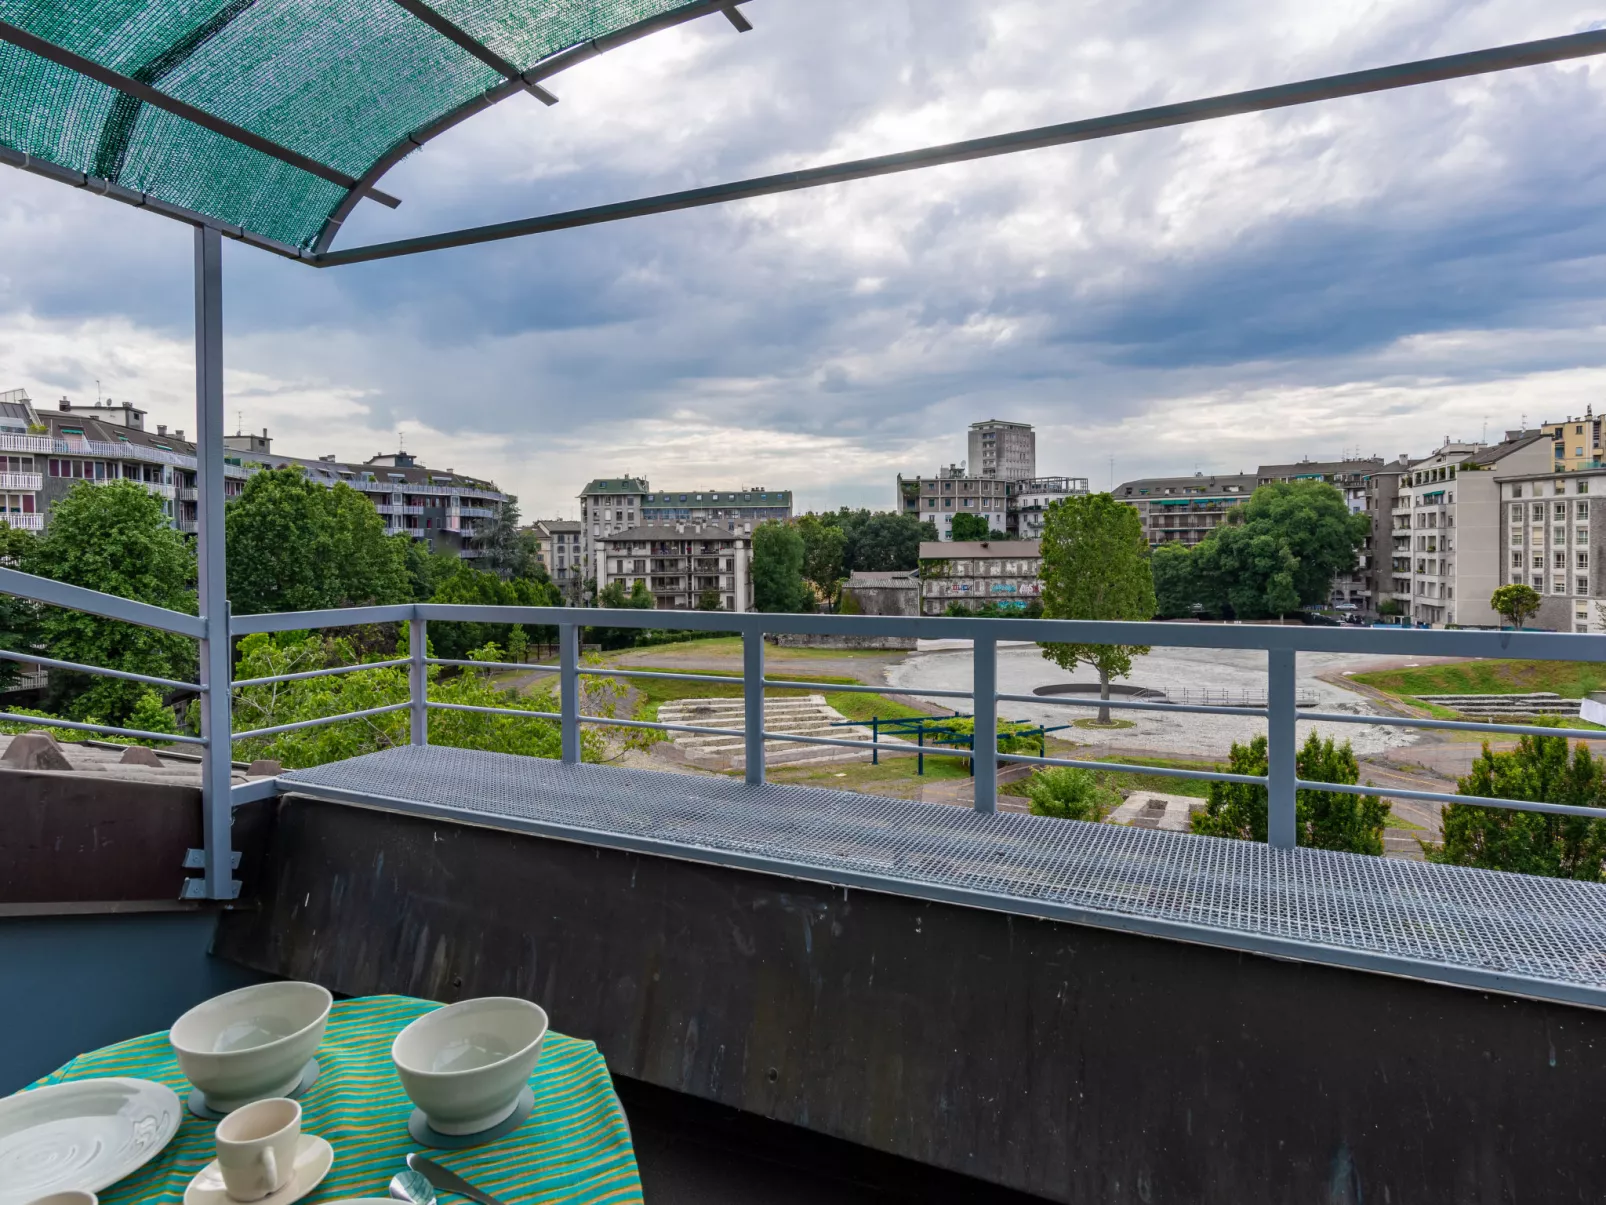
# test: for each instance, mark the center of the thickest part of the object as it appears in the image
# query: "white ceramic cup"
(256, 1148)
(72, 1196)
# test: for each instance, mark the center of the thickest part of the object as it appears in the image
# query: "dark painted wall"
(1080, 1064)
(71, 984)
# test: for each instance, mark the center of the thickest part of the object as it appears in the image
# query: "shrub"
(1068, 793)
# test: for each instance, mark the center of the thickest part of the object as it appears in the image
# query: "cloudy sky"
(1368, 275)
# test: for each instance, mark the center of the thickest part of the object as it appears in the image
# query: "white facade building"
(1033, 498)
(683, 564)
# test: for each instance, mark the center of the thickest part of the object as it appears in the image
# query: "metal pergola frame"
(212, 626)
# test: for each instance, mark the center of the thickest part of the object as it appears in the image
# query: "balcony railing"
(1229, 892)
(22, 481)
(391, 508)
(23, 522)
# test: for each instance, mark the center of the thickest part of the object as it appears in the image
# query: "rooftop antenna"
(97, 391)
(1112, 474)
(1483, 437)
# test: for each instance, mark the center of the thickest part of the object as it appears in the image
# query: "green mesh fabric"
(339, 81)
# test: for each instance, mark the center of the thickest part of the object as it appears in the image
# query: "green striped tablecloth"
(574, 1148)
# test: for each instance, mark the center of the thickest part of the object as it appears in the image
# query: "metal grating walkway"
(1505, 932)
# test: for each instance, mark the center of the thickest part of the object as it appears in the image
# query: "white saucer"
(314, 1158)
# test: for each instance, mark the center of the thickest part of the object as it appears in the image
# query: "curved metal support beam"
(561, 61)
(1258, 100)
(462, 39)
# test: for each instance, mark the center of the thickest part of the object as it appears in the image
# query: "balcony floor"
(1483, 929)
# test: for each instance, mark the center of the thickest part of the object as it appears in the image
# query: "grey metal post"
(984, 735)
(569, 690)
(418, 679)
(753, 700)
(1280, 746)
(215, 669)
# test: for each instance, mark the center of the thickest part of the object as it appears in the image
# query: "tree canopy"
(879, 541)
(1516, 603)
(1539, 769)
(114, 538)
(296, 545)
(1095, 565)
(1275, 553)
(467, 585)
(778, 557)
(825, 548)
(1322, 819)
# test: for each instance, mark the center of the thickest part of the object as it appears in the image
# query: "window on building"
(1558, 535)
(1538, 511)
(1561, 509)
(1516, 491)
(1582, 586)
(1539, 560)
(1559, 560)
(1583, 510)
(1516, 560)
(1539, 582)
(1581, 559)
(1583, 487)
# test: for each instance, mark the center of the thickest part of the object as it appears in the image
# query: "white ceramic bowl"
(252, 1043)
(72, 1196)
(464, 1065)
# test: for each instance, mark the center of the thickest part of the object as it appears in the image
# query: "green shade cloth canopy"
(574, 1148)
(350, 84)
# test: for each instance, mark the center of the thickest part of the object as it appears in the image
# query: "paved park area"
(1022, 669)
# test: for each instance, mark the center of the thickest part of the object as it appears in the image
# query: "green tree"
(313, 698)
(1095, 565)
(18, 617)
(615, 597)
(879, 541)
(1516, 603)
(150, 714)
(1276, 552)
(1070, 793)
(778, 569)
(470, 586)
(1176, 592)
(824, 550)
(969, 527)
(1539, 769)
(114, 538)
(1322, 819)
(296, 545)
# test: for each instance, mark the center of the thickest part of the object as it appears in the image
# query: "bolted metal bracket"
(195, 889)
(195, 859)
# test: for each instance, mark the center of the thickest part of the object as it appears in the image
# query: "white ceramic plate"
(87, 1134)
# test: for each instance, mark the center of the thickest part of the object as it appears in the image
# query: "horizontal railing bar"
(333, 719)
(320, 673)
(1133, 705)
(1482, 801)
(1539, 646)
(871, 690)
(340, 617)
(602, 719)
(31, 659)
(492, 664)
(1388, 721)
(513, 711)
(1253, 780)
(885, 745)
(40, 721)
(93, 602)
(732, 679)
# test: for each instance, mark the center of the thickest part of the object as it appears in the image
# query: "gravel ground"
(1022, 668)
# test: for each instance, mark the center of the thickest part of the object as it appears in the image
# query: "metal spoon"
(408, 1185)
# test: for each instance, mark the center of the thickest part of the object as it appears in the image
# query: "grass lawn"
(1137, 780)
(854, 705)
(894, 770)
(1569, 679)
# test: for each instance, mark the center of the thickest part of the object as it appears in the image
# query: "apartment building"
(1575, 442)
(1551, 542)
(48, 451)
(974, 573)
(1449, 534)
(558, 545)
(1183, 510)
(1033, 498)
(952, 491)
(613, 504)
(685, 565)
(1003, 450)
